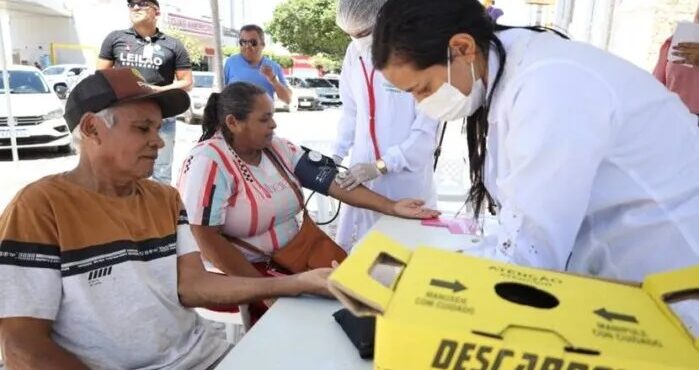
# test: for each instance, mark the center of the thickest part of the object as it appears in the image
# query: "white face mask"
(363, 44)
(448, 103)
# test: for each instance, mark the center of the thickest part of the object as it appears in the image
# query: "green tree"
(326, 63)
(308, 27)
(284, 61)
(229, 50)
(194, 47)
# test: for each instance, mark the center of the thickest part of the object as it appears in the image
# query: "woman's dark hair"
(237, 99)
(418, 32)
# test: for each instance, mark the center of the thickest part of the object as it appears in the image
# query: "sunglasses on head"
(140, 4)
(244, 42)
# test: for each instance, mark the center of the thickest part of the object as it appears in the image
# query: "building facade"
(48, 32)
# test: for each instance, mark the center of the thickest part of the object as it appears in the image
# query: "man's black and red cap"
(110, 87)
(150, 1)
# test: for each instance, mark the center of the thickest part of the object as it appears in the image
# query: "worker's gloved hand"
(357, 175)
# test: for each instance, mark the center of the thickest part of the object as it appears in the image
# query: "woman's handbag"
(309, 249)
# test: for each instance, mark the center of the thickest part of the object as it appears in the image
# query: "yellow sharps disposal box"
(439, 310)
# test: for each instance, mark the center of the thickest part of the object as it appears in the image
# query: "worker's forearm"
(283, 92)
(179, 84)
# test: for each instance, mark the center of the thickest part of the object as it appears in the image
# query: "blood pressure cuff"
(359, 330)
(316, 171)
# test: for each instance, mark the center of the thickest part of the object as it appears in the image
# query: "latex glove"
(357, 175)
(413, 208)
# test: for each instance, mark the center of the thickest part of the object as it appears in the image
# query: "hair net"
(355, 16)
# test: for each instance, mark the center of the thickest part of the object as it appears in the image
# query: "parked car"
(328, 94)
(305, 99)
(201, 90)
(37, 112)
(301, 99)
(333, 78)
(72, 81)
(59, 77)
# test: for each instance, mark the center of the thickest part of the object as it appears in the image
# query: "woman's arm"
(222, 253)
(362, 197)
(199, 288)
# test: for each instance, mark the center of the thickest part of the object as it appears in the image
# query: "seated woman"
(232, 187)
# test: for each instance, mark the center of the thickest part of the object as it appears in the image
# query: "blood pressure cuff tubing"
(316, 171)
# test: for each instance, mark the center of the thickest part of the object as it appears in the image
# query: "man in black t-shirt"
(162, 61)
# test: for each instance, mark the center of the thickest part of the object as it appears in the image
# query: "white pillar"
(581, 25)
(5, 45)
(602, 18)
(5, 34)
(218, 57)
(564, 14)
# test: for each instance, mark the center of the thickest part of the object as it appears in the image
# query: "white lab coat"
(406, 141)
(594, 164)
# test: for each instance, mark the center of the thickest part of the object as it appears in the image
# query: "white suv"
(63, 75)
(199, 96)
(36, 109)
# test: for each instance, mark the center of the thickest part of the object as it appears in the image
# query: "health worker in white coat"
(593, 164)
(392, 144)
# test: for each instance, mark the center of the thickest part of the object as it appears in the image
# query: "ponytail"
(210, 122)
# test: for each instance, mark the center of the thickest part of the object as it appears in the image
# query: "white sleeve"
(559, 126)
(30, 259)
(417, 149)
(185, 238)
(348, 121)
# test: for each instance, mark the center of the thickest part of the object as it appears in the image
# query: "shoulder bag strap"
(282, 170)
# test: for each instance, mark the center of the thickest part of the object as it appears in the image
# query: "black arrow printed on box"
(611, 316)
(455, 286)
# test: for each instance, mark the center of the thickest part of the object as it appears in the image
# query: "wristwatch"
(381, 165)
